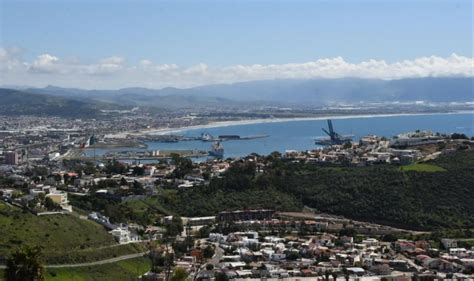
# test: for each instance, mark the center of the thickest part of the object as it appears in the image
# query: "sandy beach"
(163, 131)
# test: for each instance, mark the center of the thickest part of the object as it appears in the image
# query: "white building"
(123, 235)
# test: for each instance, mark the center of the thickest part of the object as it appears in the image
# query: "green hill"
(14, 103)
(414, 197)
(64, 238)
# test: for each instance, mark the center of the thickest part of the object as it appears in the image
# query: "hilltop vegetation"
(422, 196)
(64, 238)
(411, 198)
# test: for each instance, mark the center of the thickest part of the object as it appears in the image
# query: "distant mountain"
(15, 102)
(168, 98)
(351, 90)
(309, 92)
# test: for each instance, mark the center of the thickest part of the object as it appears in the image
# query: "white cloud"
(45, 63)
(9, 59)
(113, 60)
(114, 72)
(199, 69)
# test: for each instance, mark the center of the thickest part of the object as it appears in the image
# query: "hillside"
(167, 98)
(64, 238)
(14, 102)
(122, 270)
(439, 197)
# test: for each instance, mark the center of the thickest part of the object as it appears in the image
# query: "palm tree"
(25, 265)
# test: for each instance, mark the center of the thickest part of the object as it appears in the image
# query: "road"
(112, 260)
(218, 254)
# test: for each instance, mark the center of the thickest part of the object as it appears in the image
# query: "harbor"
(292, 135)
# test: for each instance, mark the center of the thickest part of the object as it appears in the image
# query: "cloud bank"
(116, 72)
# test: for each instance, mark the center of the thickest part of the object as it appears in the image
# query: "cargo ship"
(217, 150)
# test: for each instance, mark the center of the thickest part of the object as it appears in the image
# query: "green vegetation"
(141, 211)
(179, 274)
(122, 270)
(421, 167)
(382, 193)
(94, 254)
(64, 238)
(25, 264)
(423, 196)
(466, 243)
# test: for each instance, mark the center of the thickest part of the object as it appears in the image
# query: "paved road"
(112, 260)
(218, 254)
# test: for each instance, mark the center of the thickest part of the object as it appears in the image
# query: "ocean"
(300, 135)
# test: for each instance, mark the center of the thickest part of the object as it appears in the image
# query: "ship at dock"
(210, 138)
(217, 150)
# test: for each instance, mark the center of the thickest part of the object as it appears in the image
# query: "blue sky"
(226, 33)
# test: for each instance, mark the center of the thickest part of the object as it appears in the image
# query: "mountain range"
(294, 92)
(313, 92)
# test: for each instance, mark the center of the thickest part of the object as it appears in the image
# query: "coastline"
(217, 124)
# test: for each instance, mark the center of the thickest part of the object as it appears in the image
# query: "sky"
(155, 44)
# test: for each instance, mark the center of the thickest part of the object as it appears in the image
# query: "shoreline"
(218, 124)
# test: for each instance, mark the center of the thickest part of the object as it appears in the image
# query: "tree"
(138, 171)
(137, 188)
(389, 238)
(292, 255)
(179, 274)
(183, 166)
(457, 136)
(66, 178)
(123, 181)
(221, 276)
(174, 227)
(208, 252)
(204, 231)
(51, 205)
(25, 265)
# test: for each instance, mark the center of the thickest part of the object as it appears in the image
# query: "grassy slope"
(123, 270)
(64, 238)
(421, 167)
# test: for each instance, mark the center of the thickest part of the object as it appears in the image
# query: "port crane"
(334, 138)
